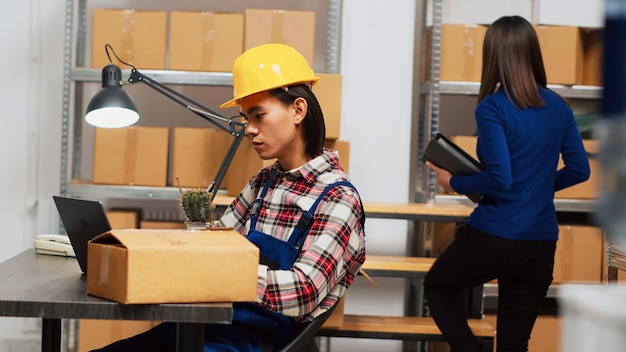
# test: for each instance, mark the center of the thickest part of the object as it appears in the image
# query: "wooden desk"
(53, 288)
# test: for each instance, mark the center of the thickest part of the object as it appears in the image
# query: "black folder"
(445, 154)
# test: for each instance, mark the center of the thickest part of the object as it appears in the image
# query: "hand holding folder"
(445, 154)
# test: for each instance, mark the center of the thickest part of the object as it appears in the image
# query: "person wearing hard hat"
(302, 212)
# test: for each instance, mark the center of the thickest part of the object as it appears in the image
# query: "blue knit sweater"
(520, 149)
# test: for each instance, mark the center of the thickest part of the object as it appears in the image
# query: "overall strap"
(256, 205)
(304, 224)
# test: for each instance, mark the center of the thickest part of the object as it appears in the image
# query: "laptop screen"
(83, 220)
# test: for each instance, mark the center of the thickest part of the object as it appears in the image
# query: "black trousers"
(524, 273)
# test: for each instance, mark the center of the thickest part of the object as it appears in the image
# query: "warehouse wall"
(31, 62)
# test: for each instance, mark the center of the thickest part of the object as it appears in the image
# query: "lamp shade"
(111, 107)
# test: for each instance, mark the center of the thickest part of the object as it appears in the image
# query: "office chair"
(304, 339)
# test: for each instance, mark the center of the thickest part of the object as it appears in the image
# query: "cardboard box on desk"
(138, 37)
(205, 41)
(172, 266)
(131, 156)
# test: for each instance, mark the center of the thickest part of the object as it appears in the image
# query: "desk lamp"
(111, 107)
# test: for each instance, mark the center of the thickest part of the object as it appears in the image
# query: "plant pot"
(196, 226)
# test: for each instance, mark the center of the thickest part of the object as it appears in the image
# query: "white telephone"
(54, 244)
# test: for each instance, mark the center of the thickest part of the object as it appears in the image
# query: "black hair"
(314, 127)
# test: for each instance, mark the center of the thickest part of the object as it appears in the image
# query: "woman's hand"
(443, 177)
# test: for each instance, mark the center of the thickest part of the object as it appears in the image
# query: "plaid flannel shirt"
(334, 249)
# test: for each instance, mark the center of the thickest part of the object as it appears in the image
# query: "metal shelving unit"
(427, 93)
(77, 75)
(572, 92)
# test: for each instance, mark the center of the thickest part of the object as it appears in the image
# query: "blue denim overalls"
(277, 255)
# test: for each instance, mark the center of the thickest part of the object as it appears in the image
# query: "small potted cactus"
(198, 207)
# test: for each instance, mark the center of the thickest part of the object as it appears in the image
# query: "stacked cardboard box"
(294, 28)
(198, 40)
(571, 54)
(562, 51)
(131, 156)
(197, 155)
(137, 37)
(461, 52)
(205, 41)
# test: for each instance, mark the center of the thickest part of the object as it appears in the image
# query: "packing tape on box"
(128, 36)
(104, 267)
(278, 27)
(471, 49)
(130, 160)
(208, 38)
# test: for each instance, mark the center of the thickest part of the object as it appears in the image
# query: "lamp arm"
(200, 110)
(235, 128)
(221, 172)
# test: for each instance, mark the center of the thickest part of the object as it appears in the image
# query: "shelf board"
(444, 207)
(84, 74)
(561, 204)
(98, 192)
(471, 88)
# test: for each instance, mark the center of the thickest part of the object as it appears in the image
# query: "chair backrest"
(303, 341)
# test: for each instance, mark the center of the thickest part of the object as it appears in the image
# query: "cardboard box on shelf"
(335, 320)
(592, 57)
(138, 37)
(204, 41)
(545, 337)
(246, 164)
(461, 52)
(123, 219)
(328, 93)
(293, 28)
(94, 334)
(587, 190)
(197, 155)
(467, 143)
(579, 254)
(562, 51)
(343, 148)
(131, 156)
(172, 266)
(591, 188)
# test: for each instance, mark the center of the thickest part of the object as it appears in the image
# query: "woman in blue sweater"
(523, 127)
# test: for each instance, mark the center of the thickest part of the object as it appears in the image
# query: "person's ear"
(300, 107)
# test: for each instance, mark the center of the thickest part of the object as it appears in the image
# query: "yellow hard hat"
(267, 67)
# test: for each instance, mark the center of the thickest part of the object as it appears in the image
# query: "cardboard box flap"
(172, 238)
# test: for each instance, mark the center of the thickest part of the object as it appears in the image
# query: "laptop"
(83, 220)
